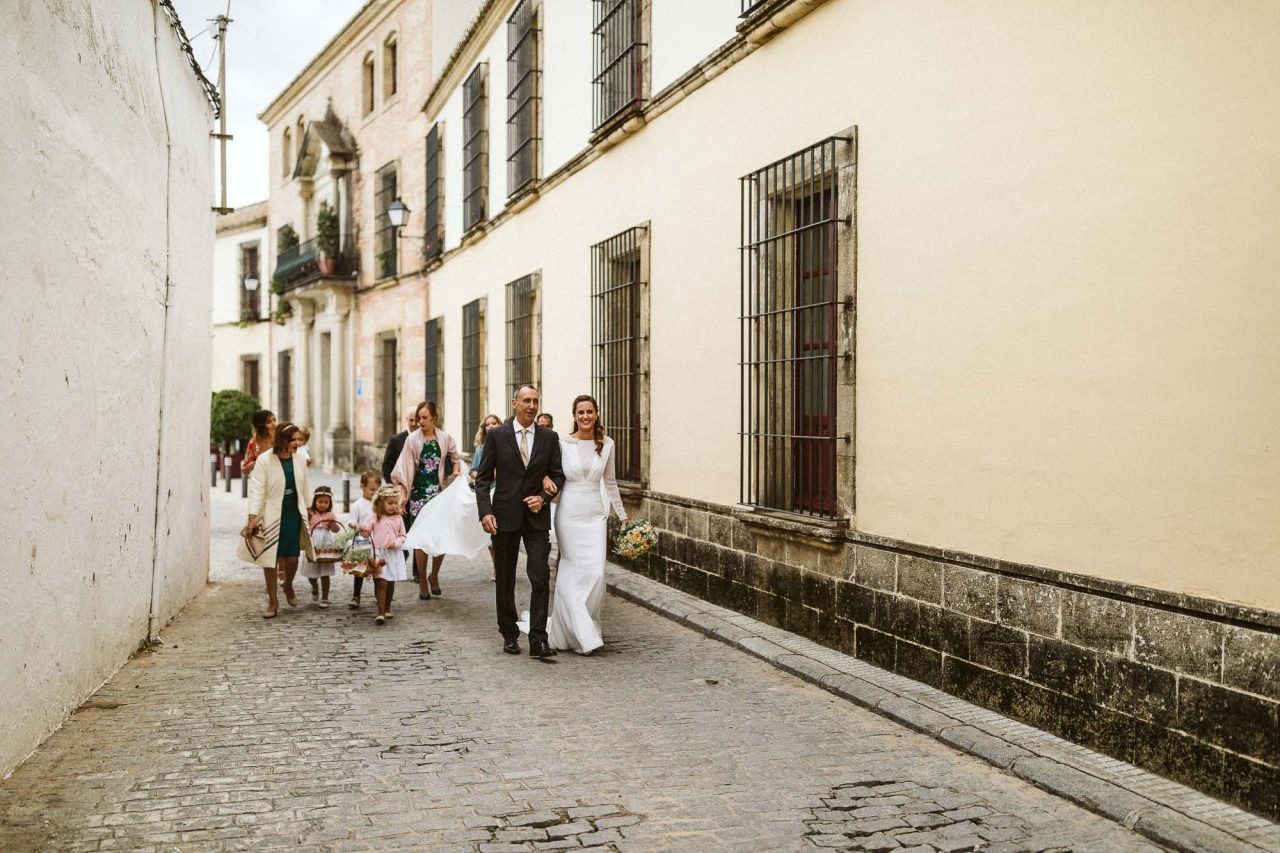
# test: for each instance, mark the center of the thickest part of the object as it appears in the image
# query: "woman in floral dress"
(427, 463)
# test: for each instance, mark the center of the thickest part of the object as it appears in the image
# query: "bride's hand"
(548, 486)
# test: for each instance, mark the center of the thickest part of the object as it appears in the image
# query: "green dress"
(290, 518)
(426, 480)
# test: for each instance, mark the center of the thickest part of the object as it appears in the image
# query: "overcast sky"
(268, 43)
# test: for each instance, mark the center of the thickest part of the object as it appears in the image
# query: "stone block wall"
(1186, 688)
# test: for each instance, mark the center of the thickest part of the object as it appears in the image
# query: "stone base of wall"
(1186, 688)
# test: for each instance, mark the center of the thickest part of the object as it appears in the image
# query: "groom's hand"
(490, 524)
(534, 503)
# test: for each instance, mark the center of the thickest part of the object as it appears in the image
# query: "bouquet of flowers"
(635, 539)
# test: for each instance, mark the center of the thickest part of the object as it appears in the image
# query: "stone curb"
(1108, 787)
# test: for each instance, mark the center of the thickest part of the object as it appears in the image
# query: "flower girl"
(322, 522)
(388, 539)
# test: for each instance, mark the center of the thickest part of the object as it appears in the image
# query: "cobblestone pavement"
(320, 731)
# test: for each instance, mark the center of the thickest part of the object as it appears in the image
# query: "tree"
(230, 415)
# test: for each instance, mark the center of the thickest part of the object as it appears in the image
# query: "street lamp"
(251, 282)
(398, 213)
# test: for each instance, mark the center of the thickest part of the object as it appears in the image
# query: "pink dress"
(388, 538)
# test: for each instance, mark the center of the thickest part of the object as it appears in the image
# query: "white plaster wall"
(566, 82)
(101, 214)
(1066, 346)
(684, 33)
(226, 273)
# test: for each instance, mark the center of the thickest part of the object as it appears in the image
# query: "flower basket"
(324, 541)
(357, 552)
(635, 539)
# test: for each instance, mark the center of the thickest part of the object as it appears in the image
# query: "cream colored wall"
(226, 272)
(230, 344)
(684, 33)
(107, 238)
(1066, 350)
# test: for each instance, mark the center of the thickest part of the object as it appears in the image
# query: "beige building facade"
(241, 313)
(348, 294)
(942, 334)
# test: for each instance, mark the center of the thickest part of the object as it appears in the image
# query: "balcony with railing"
(306, 263)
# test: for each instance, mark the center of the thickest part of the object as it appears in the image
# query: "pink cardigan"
(407, 464)
(388, 532)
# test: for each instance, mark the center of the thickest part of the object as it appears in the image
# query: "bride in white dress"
(590, 488)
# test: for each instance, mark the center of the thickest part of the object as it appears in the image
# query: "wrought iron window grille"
(473, 367)
(618, 334)
(789, 313)
(475, 148)
(524, 100)
(524, 333)
(433, 211)
(433, 373)
(620, 55)
(386, 190)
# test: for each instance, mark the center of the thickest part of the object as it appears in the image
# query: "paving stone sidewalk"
(320, 731)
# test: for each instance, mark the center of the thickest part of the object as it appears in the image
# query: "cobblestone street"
(320, 731)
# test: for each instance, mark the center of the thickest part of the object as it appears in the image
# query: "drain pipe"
(153, 617)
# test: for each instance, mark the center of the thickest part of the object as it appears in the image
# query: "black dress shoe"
(541, 650)
(511, 647)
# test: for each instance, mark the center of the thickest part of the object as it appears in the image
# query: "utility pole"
(222, 136)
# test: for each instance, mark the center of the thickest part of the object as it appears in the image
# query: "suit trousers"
(506, 552)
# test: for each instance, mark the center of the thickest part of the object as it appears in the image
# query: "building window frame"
(367, 77)
(620, 71)
(524, 332)
(620, 347)
(286, 154)
(524, 97)
(386, 379)
(796, 350)
(390, 67)
(473, 364)
(250, 267)
(433, 210)
(475, 148)
(386, 189)
(251, 376)
(284, 385)
(433, 372)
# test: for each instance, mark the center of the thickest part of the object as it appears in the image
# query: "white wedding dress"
(449, 524)
(590, 488)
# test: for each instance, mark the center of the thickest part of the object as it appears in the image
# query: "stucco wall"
(105, 534)
(1066, 312)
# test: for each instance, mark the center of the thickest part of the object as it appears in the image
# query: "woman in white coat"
(276, 531)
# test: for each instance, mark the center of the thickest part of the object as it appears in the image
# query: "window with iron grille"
(750, 7)
(433, 212)
(524, 332)
(620, 53)
(524, 70)
(250, 300)
(619, 332)
(789, 333)
(386, 391)
(386, 190)
(284, 385)
(433, 387)
(475, 147)
(472, 364)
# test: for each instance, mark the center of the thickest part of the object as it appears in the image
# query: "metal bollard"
(346, 495)
(226, 472)
(244, 484)
(213, 470)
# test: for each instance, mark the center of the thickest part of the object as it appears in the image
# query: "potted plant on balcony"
(288, 238)
(327, 238)
(283, 312)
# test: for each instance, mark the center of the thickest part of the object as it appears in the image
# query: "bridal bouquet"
(635, 539)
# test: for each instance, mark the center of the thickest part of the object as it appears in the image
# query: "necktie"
(524, 446)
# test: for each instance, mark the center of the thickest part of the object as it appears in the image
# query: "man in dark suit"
(521, 454)
(395, 445)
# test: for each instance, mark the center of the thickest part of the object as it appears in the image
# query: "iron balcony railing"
(305, 263)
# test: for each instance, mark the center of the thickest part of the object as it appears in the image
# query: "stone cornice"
(486, 23)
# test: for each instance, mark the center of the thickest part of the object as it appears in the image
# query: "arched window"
(301, 131)
(366, 87)
(389, 66)
(286, 152)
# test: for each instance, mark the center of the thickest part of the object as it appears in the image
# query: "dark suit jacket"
(516, 482)
(395, 445)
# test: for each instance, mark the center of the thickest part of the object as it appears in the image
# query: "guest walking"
(395, 444)
(276, 531)
(264, 430)
(487, 424)
(429, 457)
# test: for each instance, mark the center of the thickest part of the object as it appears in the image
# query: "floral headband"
(322, 490)
(388, 491)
